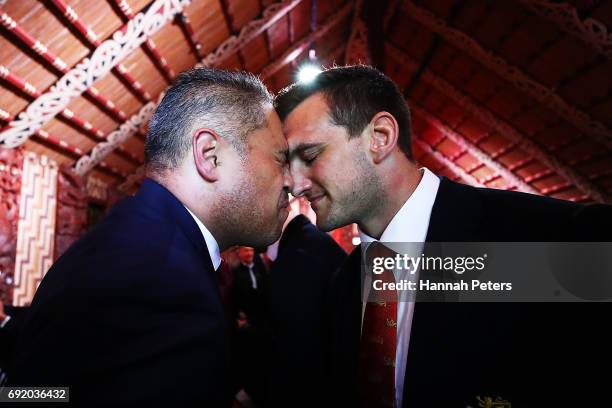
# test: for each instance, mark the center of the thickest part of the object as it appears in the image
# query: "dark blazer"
(250, 344)
(130, 313)
(8, 333)
(531, 354)
(244, 297)
(299, 281)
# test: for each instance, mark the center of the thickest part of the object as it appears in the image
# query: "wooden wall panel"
(36, 229)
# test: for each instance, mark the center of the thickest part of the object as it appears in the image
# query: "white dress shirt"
(410, 224)
(211, 242)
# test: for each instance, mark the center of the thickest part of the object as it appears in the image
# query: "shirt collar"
(211, 242)
(411, 222)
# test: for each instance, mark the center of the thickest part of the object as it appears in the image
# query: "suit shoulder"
(515, 216)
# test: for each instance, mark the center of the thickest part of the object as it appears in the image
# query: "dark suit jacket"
(531, 354)
(8, 333)
(299, 280)
(130, 313)
(250, 348)
(244, 297)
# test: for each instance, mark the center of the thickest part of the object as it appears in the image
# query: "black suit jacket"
(8, 333)
(244, 296)
(299, 281)
(250, 344)
(531, 354)
(130, 313)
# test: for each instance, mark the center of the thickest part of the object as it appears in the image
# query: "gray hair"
(229, 102)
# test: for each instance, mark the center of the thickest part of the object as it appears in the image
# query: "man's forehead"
(308, 123)
(273, 132)
(309, 113)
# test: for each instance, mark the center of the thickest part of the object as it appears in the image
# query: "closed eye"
(311, 154)
(310, 159)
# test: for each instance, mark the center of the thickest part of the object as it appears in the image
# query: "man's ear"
(205, 143)
(383, 137)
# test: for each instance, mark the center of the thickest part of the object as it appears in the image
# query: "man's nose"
(301, 183)
(287, 180)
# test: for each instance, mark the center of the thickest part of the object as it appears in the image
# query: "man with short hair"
(349, 137)
(132, 313)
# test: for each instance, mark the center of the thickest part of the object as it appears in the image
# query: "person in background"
(251, 331)
(298, 287)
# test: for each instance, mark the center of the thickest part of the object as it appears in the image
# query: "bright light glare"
(356, 241)
(308, 73)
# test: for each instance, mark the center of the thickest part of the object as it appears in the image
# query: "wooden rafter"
(357, 50)
(189, 33)
(448, 163)
(92, 41)
(41, 49)
(66, 114)
(115, 138)
(80, 78)
(592, 32)
(298, 48)
(472, 149)
(390, 13)
(514, 75)
(492, 120)
(149, 45)
(249, 32)
(66, 148)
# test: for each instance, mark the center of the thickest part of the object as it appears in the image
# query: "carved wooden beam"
(502, 127)
(132, 179)
(547, 96)
(151, 49)
(29, 89)
(117, 137)
(249, 32)
(41, 49)
(81, 77)
(298, 48)
(91, 39)
(59, 64)
(592, 32)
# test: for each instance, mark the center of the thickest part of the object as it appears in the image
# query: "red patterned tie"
(378, 340)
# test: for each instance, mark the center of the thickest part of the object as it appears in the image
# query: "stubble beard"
(241, 215)
(362, 198)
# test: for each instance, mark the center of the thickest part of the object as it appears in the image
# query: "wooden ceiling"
(506, 94)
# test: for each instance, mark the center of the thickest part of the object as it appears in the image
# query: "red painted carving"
(71, 220)
(11, 163)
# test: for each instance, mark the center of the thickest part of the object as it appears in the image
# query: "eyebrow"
(283, 155)
(302, 147)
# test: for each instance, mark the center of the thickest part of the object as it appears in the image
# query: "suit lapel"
(456, 217)
(161, 203)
